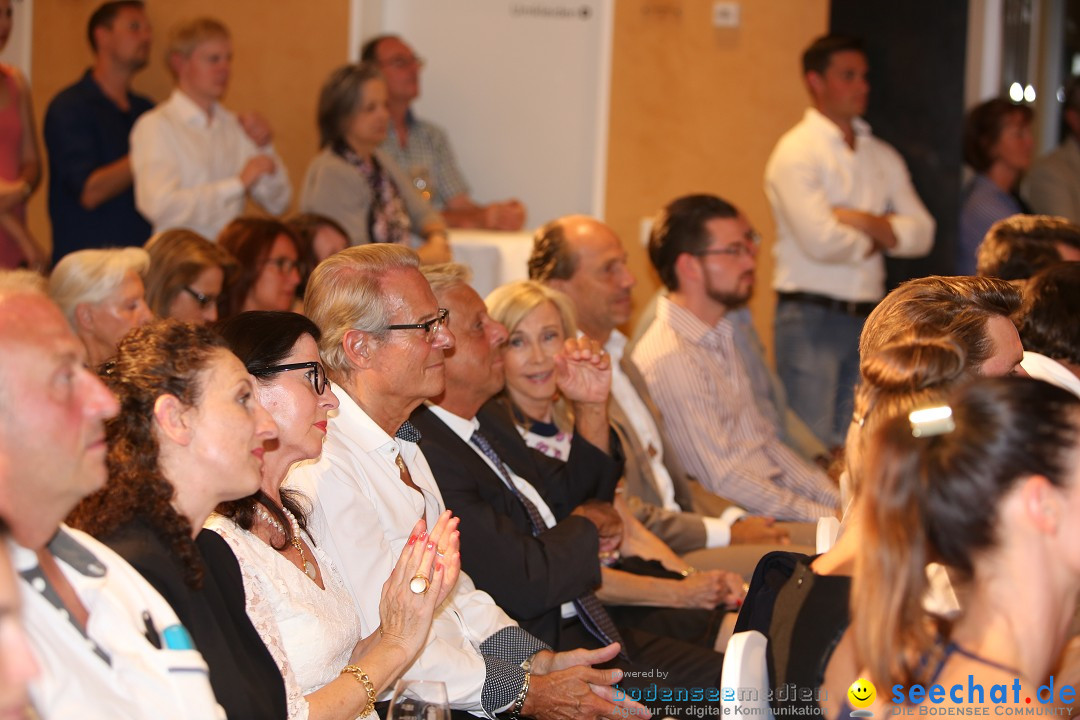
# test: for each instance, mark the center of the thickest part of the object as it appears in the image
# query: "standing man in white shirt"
(194, 162)
(108, 646)
(842, 200)
(383, 341)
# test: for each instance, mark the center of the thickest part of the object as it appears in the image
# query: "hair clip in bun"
(931, 421)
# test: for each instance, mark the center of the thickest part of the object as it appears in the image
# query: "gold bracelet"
(363, 679)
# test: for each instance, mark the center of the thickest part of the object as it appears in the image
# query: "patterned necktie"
(589, 608)
(408, 432)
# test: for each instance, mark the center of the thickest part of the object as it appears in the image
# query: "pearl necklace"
(309, 568)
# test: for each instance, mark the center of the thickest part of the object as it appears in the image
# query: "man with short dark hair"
(107, 644)
(1019, 246)
(91, 200)
(705, 252)
(384, 339)
(842, 201)
(422, 149)
(1052, 185)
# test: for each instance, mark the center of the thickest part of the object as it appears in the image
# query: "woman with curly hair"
(189, 435)
(295, 596)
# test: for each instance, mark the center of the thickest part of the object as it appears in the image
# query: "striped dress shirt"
(695, 376)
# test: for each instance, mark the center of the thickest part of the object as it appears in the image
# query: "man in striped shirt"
(705, 252)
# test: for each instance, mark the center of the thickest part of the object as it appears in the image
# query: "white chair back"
(827, 529)
(744, 681)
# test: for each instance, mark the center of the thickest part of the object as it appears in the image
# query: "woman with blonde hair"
(186, 277)
(539, 320)
(101, 294)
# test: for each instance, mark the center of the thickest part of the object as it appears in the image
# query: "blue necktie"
(589, 608)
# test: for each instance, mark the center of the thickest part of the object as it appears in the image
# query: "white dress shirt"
(362, 515)
(1049, 370)
(138, 680)
(641, 420)
(186, 167)
(812, 171)
(696, 378)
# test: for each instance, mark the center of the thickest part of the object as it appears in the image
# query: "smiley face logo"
(861, 694)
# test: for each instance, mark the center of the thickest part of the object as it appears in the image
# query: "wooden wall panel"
(698, 109)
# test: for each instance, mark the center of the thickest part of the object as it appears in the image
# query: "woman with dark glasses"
(295, 596)
(187, 276)
(267, 253)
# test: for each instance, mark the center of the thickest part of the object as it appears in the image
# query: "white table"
(495, 258)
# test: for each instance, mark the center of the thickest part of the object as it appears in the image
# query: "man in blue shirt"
(91, 201)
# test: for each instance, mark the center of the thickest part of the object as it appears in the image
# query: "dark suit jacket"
(243, 673)
(529, 577)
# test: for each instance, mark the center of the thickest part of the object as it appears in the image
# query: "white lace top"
(310, 632)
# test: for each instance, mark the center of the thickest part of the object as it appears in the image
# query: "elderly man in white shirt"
(194, 162)
(107, 644)
(383, 342)
(842, 201)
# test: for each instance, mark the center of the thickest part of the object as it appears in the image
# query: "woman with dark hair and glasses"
(295, 596)
(267, 253)
(186, 277)
(189, 435)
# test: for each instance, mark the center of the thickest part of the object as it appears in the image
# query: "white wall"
(522, 89)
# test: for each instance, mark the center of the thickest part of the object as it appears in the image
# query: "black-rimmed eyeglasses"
(749, 247)
(430, 327)
(202, 299)
(316, 375)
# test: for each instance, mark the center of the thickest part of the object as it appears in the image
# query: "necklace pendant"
(309, 569)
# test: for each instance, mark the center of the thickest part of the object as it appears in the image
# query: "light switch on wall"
(725, 14)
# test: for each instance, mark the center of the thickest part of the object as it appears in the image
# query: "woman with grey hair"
(356, 184)
(102, 296)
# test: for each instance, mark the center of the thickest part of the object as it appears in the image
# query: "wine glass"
(419, 700)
